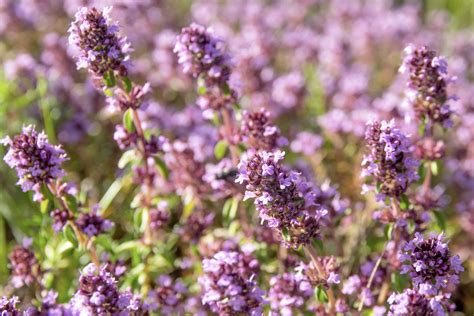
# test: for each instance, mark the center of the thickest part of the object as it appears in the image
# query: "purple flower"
(288, 90)
(430, 264)
(412, 302)
(306, 143)
(98, 294)
(60, 219)
(390, 162)
(169, 297)
(258, 132)
(327, 275)
(136, 98)
(285, 201)
(201, 53)
(35, 160)
(427, 85)
(25, 268)
(226, 289)
(289, 292)
(124, 138)
(352, 285)
(357, 284)
(159, 216)
(101, 49)
(195, 226)
(93, 224)
(8, 306)
(48, 306)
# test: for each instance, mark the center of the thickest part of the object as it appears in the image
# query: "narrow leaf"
(388, 229)
(128, 121)
(220, 149)
(404, 202)
(127, 84)
(162, 168)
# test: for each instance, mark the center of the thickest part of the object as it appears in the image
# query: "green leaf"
(435, 168)
(220, 149)
(422, 127)
(440, 219)
(201, 85)
(229, 210)
(422, 172)
(137, 219)
(126, 246)
(398, 281)
(378, 185)
(201, 90)
(226, 210)
(189, 203)
(127, 84)
(70, 235)
(44, 206)
(126, 158)
(145, 220)
(109, 79)
(162, 168)
(105, 242)
(404, 202)
(71, 203)
(109, 92)
(233, 208)
(226, 89)
(286, 234)
(318, 244)
(128, 121)
(320, 294)
(388, 229)
(111, 193)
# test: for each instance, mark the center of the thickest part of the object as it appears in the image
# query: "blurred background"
(323, 67)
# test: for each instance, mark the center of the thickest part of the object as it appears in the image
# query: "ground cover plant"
(236, 157)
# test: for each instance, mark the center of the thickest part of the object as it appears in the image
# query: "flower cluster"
(92, 224)
(357, 283)
(25, 268)
(186, 170)
(136, 98)
(101, 49)
(35, 160)
(195, 226)
(390, 162)
(49, 306)
(200, 52)
(430, 149)
(427, 85)
(215, 100)
(284, 200)
(258, 132)
(226, 290)
(412, 302)
(60, 218)
(169, 297)
(306, 143)
(98, 295)
(289, 292)
(159, 216)
(325, 273)
(430, 265)
(320, 68)
(8, 306)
